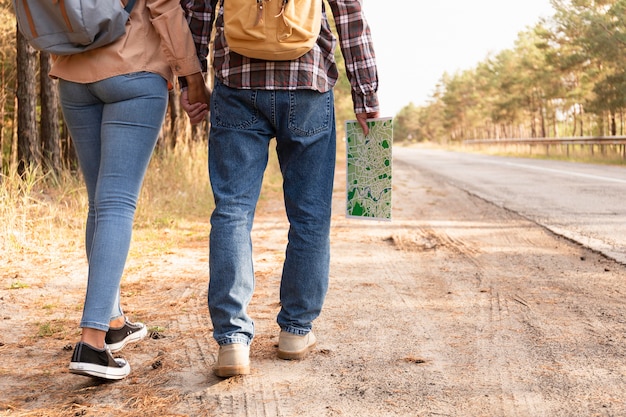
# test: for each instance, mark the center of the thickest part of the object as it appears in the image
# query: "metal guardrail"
(576, 140)
(593, 145)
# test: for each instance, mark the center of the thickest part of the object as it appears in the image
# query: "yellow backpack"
(273, 30)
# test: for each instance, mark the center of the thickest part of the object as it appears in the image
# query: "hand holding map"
(369, 169)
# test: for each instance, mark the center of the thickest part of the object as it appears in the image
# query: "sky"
(416, 45)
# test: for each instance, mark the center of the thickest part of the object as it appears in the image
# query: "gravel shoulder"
(455, 308)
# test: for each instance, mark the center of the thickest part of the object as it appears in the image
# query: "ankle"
(93, 337)
(117, 322)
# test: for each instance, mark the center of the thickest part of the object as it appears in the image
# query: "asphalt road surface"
(582, 202)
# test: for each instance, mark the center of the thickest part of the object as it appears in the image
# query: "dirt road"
(455, 308)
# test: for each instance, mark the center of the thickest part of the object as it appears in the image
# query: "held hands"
(195, 100)
(362, 119)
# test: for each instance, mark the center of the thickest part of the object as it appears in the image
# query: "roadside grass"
(607, 155)
(44, 216)
(42, 278)
(39, 211)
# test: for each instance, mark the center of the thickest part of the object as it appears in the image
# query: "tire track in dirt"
(267, 392)
(455, 308)
(523, 354)
(397, 276)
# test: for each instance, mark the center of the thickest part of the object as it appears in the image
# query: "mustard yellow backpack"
(273, 30)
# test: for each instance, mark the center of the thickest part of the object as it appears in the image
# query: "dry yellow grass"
(40, 213)
(43, 278)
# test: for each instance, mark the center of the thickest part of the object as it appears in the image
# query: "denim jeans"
(242, 124)
(114, 125)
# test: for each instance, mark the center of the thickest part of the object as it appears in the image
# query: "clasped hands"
(196, 98)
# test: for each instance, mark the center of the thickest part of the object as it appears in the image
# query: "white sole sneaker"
(116, 339)
(97, 363)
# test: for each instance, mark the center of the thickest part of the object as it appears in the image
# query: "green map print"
(369, 169)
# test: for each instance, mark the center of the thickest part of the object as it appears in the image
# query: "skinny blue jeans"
(114, 125)
(242, 124)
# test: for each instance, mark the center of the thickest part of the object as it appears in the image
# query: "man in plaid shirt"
(252, 102)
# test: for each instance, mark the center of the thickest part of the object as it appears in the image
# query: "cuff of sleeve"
(365, 103)
(187, 66)
(182, 81)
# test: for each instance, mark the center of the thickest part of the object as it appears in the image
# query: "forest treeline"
(33, 135)
(564, 77)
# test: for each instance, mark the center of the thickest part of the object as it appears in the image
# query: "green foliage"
(564, 77)
(406, 124)
(53, 329)
(16, 285)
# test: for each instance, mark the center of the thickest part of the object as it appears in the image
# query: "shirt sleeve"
(177, 43)
(356, 45)
(199, 16)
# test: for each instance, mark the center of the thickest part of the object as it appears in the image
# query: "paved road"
(583, 202)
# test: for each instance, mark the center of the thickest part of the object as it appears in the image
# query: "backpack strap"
(29, 17)
(130, 5)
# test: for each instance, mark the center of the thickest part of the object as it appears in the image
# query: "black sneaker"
(116, 339)
(98, 363)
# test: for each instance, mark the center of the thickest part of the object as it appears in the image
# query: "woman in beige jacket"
(114, 100)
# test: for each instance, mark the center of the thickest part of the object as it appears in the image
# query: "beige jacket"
(157, 40)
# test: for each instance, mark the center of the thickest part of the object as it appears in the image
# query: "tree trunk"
(174, 116)
(613, 124)
(28, 149)
(50, 135)
(13, 157)
(582, 120)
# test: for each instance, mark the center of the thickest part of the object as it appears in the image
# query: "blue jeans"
(114, 124)
(242, 124)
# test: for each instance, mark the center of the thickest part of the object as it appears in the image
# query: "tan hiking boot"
(232, 360)
(293, 346)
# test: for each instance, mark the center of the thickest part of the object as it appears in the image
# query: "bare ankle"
(93, 337)
(117, 322)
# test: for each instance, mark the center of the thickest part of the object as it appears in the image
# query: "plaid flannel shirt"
(316, 70)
